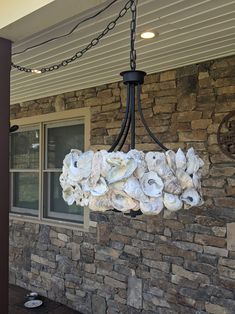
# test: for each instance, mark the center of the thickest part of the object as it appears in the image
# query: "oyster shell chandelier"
(134, 182)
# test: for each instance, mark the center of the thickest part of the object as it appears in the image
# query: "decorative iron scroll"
(226, 135)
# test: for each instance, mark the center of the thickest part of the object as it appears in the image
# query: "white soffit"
(190, 31)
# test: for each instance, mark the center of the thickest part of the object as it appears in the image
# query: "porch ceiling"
(190, 31)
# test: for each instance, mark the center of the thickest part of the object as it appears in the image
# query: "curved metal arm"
(156, 140)
(114, 145)
(126, 131)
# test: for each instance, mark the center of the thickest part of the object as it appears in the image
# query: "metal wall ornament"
(133, 182)
(226, 135)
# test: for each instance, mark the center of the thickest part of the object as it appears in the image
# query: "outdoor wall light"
(147, 35)
(14, 128)
(132, 182)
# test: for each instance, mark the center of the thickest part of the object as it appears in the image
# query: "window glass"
(35, 183)
(54, 203)
(25, 192)
(25, 149)
(60, 140)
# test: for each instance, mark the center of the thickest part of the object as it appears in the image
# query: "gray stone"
(163, 266)
(44, 234)
(215, 251)
(132, 250)
(134, 292)
(98, 304)
(231, 236)
(114, 283)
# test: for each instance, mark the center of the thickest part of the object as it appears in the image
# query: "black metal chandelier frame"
(133, 79)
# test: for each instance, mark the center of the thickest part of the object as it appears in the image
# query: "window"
(37, 151)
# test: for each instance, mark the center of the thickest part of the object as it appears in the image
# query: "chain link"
(133, 35)
(130, 5)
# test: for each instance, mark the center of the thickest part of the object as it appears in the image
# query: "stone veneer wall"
(180, 262)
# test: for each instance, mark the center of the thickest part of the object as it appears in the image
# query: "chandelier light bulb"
(36, 71)
(147, 35)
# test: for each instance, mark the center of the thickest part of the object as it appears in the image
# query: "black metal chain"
(133, 34)
(131, 4)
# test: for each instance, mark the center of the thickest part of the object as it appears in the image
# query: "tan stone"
(203, 75)
(230, 190)
(167, 85)
(114, 283)
(226, 272)
(41, 260)
(59, 103)
(110, 107)
(215, 251)
(181, 126)
(187, 116)
(193, 136)
(231, 235)
(205, 239)
(211, 192)
(219, 231)
(165, 100)
(212, 139)
(150, 87)
(164, 108)
(92, 102)
(105, 93)
(225, 202)
(218, 183)
(193, 276)
(216, 309)
(201, 124)
(225, 107)
(226, 90)
(227, 262)
(63, 237)
(186, 102)
(166, 92)
(167, 76)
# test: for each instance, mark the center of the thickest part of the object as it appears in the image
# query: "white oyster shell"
(180, 159)
(68, 194)
(153, 159)
(170, 158)
(152, 207)
(121, 171)
(151, 184)
(184, 179)
(172, 185)
(191, 197)
(121, 201)
(194, 162)
(100, 188)
(133, 189)
(96, 168)
(139, 156)
(172, 202)
(80, 165)
(133, 180)
(105, 167)
(100, 203)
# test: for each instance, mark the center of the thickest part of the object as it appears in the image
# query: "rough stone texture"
(134, 292)
(231, 236)
(183, 262)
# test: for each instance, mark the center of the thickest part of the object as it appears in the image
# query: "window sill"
(53, 223)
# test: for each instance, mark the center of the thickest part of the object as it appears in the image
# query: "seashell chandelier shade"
(134, 182)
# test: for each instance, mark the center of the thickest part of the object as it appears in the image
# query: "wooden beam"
(5, 67)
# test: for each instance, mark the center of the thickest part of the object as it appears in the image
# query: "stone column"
(5, 67)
